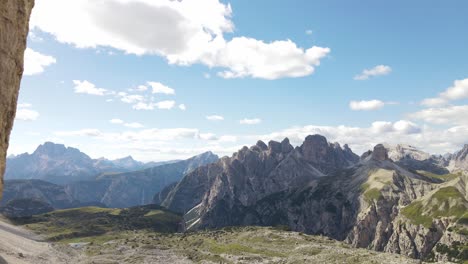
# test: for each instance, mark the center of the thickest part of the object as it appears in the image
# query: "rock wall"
(14, 27)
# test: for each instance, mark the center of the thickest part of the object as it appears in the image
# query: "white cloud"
(362, 139)
(165, 104)
(184, 32)
(458, 91)
(376, 71)
(35, 62)
(247, 57)
(86, 87)
(208, 136)
(134, 125)
(116, 121)
(366, 105)
(141, 88)
(24, 105)
(143, 106)
(253, 121)
(130, 98)
(453, 115)
(159, 88)
(206, 75)
(215, 118)
(182, 107)
(309, 32)
(34, 37)
(26, 115)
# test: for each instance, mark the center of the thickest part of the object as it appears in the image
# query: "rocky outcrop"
(219, 194)
(414, 159)
(459, 161)
(14, 27)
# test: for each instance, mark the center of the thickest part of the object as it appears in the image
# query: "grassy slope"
(444, 177)
(95, 221)
(229, 245)
(445, 202)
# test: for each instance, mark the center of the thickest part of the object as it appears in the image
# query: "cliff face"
(14, 27)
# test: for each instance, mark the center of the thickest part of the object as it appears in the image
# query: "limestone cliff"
(14, 27)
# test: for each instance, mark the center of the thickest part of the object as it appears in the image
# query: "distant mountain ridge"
(136, 187)
(58, 164)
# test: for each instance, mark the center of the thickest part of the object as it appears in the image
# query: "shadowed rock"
(14, 27)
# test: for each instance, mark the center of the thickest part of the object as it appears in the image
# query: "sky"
(162, 79)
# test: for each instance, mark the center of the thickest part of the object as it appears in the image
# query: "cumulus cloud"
(247, 57)
(253, 121)
(24, 105)
(183, 32)
(130, 98)
(26, 115)
(86, 87)
(143, 106)
(458, 91)
(362, 139)
(376, 71)
(366, 105)
(451, 115)
(159, 88)
(182, 107)
(165, 104)
(215, 118)
(35, 62)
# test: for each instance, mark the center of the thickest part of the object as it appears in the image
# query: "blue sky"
(251, 64)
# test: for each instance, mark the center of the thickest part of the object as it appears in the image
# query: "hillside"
(229, 245)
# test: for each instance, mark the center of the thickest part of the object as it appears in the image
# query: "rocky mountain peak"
(314, 148)
(380, 153)
(50, 148)
(260, 144)
(463, 153)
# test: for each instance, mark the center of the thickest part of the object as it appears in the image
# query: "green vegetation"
(444, 177)
(227, 245)
(372, 194)
(446, 202)
(456, 252)
(95, 221)
(414, 212)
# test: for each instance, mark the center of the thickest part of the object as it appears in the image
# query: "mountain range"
(66, 177)
(394, 198)
(61, 165)
(383, 200)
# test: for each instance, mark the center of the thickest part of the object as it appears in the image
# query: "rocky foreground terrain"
(229, 245)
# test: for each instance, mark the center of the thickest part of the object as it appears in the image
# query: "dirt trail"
(20, 246)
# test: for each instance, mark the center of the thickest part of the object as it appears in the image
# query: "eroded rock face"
(221, 193)
(380, 153)
(14, 27)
